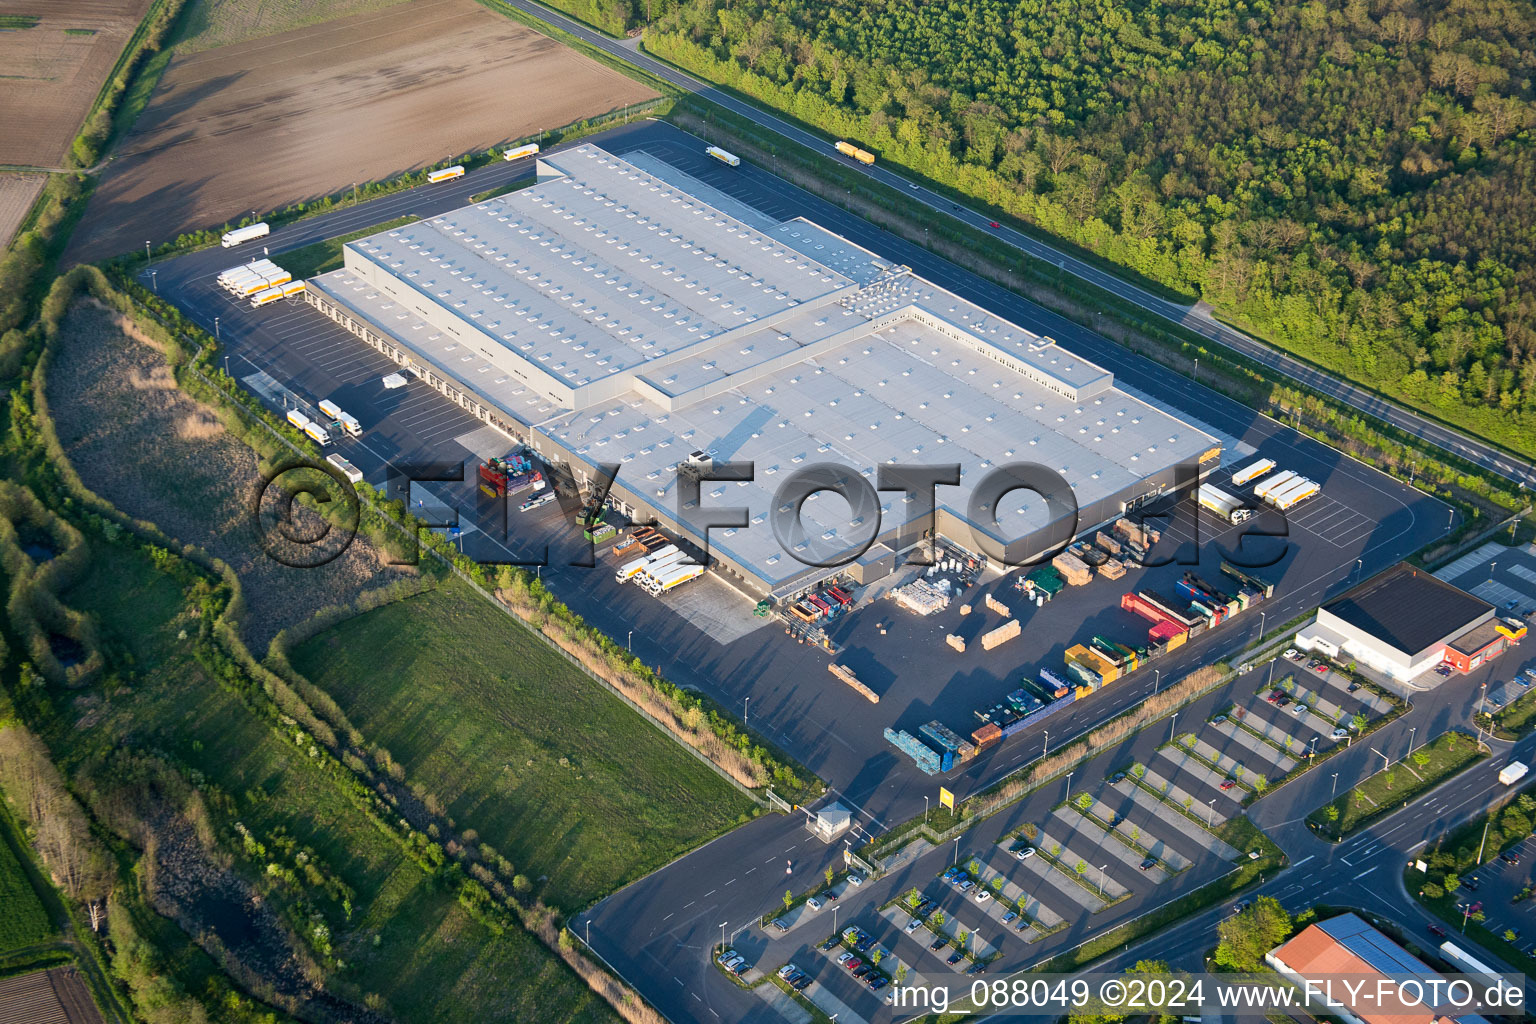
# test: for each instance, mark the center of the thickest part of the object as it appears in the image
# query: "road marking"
(750, 870)
(678, 980)
(669, 916)
(1365, 872)
(1415, 846)
(731, 882)
(1303, 860)
(709, 894)
(689, 904)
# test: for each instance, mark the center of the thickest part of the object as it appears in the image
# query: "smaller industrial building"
(1405, 623)
(1348, 947)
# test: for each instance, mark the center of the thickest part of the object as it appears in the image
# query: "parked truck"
(1513, 772)
(729, 159)
(298, 419)
(1264, 488)
(676, 577)
(345, 420)
(1223, 504)
(249, 233)
(629, 570)
(1252, 471)
(1293, 494)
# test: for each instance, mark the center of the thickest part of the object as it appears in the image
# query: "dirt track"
(299, 115)
(52, 77)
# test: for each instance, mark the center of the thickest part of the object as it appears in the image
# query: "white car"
(912, 925)
(982, 895)
(855, 881)
(813, 903)
(787, 970)
(1292, 653)
(1024, 853)
(1340, 734)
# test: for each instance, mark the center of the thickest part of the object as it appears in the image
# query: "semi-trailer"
(345, 420)
(1513, 772)
(317, 433)
(1258, 583)
(729, 159)
(265, 296)
(249, 233)
(1293, 494)
(1223, 504)
(675, 577)
(446, 174)
(519, 152)
(298, 419)
(1264, 488)
(346, 468)
(655, 570)
(1252, 471)
(863, 156)
(629, 570)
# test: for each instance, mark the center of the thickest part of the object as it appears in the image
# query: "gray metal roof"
(633, 323)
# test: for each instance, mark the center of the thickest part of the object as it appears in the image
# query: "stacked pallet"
(1001, 635)
(997, 606)
(1112, 569)
(922, 597)
(958, 643)
(844, 673)
(1072, 568)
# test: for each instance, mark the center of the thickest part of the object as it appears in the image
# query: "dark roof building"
(1405, 622)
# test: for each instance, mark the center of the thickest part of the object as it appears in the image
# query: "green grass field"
(323, 256)
(549, 767)
(23, 921)
(407, 941)
(211, 23)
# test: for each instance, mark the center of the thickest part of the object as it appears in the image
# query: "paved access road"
(1197, 318)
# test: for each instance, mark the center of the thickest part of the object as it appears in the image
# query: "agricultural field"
(306, 113)
(144, 445)
(54, 69)
(214, 23)
(513, 741)
(411, 952)
(17, 194)
(23, 921)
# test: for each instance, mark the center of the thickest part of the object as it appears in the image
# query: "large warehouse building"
(607, 317)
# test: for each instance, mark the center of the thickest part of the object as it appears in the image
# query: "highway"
(1196, 318)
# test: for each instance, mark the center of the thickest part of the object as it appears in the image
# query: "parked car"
(843, 958)
(1275, 695)
(966, 885)
(1298, 709)
(1339, 734)
(1024, 852)
(831, 941)
(1292, 653)
(813, 903)
(1148, 863)
(1472, 882)
(982, 895)
(938, 942)
(829, 896)
(800, 981)
(949, 874)
(1021, 924)
(912, 925)
(1352, 687)
(955, 958)
(1510, 856)
(879, 983)
(977, 969)
(853, 963)
(855, 880)
(1282, 700)
(536, 501)
(780, 926)
(1227, 784)
(788, 971)
(861, 970)
(1010, 916)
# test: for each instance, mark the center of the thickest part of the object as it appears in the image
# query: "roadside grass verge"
(505, 190)
(1389, 789)
(326, 255)
(512, 740)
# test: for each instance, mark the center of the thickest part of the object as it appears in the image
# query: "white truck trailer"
(1513, 772)
(446, 174)
(532, 149)
(317, 433)
(659, 567)
(346, 468)
(249, 233)
(723, 156)
(341, 417)
(629, 570)
(1252, 471)
(1223, 504)
(675, 577)
(1293, 493)
(298, 419)
(1264, 488)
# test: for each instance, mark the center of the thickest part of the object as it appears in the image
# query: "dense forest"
(1354, 179)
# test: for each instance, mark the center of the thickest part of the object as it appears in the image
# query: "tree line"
(1352, 179)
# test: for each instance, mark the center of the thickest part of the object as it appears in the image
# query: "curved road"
(1195, 318)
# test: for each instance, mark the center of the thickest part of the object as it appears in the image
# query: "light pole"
(956, 859)
(925, 808)
(148, 259)
(1210, 817)
(1046, 747)
(745, 704)
(1410, 739)
(722, 936)
(630, 641)
(1261, 624)
(354, 193)
(216, 335)
(1271, 672)
(1335, 790)
(1172, 725)
(1069, 786)
(1101, 878)
(1358, 563)
(1157, 680)
(226, 366)
(1312, 751)
(154, 281)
